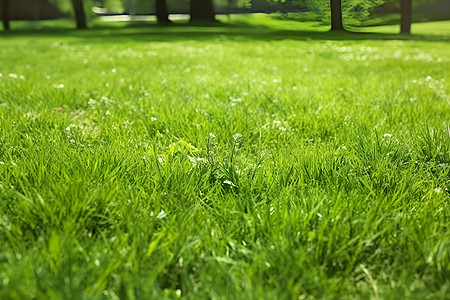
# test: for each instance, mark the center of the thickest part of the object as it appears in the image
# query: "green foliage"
(415, 3)
(352, 10)
(66, 6)
(359, 10)
(232, 162)
(63, 5)
(116, 6)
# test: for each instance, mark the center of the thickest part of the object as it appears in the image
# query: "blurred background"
(354, 11)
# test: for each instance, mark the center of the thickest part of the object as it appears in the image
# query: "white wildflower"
(161, 215)
(68, 128)
(229, 183)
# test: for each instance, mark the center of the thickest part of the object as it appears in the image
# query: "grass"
(245, 161)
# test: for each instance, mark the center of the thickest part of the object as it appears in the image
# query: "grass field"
(246, 161)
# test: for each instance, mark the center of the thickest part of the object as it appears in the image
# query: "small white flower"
(13, 75)
(211, 135)
(58, 86)
(195, 160)
(229, 183)
(237, 136)
(234, 101)
(114, 70)
(153, 119)
(161, 215)
(387, 135)
(438, 190)
(68, 128)
(30, 115)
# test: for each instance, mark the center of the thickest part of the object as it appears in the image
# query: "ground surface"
(230, 162)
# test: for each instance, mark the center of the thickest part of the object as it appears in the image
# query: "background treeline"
(352, 12)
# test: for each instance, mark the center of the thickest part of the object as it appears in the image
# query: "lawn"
(259, 159)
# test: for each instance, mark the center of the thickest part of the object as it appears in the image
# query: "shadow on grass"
(148, 32)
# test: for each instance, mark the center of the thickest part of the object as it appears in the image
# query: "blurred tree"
(161, 11)
(202, 10)
(406, 11)
(80, 15)
(406, 16)
(336, 15)
(5, 14)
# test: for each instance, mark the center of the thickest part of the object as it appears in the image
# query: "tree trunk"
(80, 16)
(162, 12)
(336, 15)
(202, 10)
(5, 14)
(406, 16)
